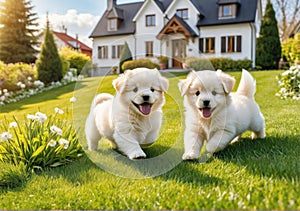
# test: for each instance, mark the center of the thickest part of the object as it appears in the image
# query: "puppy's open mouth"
(206, 111)
(144, 108)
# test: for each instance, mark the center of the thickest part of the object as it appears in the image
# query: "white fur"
(227, 115)
(119, 119)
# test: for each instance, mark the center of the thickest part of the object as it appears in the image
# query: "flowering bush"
(289, 83)
(42, 141)
(31, 87)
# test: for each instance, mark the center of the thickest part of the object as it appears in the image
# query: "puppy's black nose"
(206, 103)
(146, 98)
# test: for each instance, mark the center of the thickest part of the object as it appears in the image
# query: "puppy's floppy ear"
(227, 81)
(119, 83)
(164, 84)
(184, 84)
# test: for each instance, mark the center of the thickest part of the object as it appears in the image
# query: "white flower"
(32, 117)
(55, 130)
(41, 117)
(5, 90)
(23, 86)
(73, 99)
(13, 124)
(64, 142)
(52, 143)
(58, 111)
(5, 136)
(39, 84)
(29, 78)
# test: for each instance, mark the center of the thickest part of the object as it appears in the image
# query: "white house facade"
(177, 29)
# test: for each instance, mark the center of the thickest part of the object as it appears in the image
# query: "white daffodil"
(32, 117)
(13, 125)
(5, 136)
(64, 142)
(73, 99)
(52, 143)
(41, 117)
(55, 130)
(58, 111)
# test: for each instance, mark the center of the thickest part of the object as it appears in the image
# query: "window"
(102, 52)
(183, 13)
(116, 51)
(231, 44)
(112, 24)
(150, 20)
(207, 45)
(227, 11)
(149, 49)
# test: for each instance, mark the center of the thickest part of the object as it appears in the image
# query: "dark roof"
(246, 12)
(208, 9)
(163, 4)
(125, 26)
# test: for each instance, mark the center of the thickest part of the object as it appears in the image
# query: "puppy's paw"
(137, 154)
(189, 156)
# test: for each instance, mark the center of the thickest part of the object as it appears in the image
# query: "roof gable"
(125, 26)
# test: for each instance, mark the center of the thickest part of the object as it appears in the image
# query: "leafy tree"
(17, 34)
(49, 65)
(268, 50)
(125, 56)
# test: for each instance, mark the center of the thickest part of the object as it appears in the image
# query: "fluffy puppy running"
(216, 115)
(132, 118)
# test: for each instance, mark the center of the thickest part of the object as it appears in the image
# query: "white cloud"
(76, 23)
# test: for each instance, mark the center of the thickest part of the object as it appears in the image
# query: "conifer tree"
(49, 65)
(125, 56)
(18, 36)
(268, 47)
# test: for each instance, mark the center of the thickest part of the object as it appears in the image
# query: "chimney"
(111, 4)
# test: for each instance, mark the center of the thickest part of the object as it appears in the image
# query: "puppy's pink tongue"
(145, 108)
(206, 112)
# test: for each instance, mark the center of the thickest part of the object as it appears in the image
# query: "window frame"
(231, 13)
(231, 44)
(181, 13)
(150, 20)
(207, 45)
(103, 52)
(113, 27)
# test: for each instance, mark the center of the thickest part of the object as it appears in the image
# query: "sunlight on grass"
(261, 174)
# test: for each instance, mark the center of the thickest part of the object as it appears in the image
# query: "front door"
(178, 52)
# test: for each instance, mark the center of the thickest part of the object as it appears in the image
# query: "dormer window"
(228, 8)
(112, 24)
(227, 11)
(183, 13)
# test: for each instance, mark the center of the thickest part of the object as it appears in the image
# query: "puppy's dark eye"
(197, 93)
(135, 89)
(152, 90)
(214, 93)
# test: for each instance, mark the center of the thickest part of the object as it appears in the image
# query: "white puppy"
(133, 117)
(216, 115)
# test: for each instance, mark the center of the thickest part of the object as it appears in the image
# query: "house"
(177, 29)
(62, 39)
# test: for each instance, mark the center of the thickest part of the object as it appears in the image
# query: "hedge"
(147, 63)
(218, 63)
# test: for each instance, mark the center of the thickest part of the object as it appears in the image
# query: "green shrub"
(76, 59)
(65, 65)
(12, 74)
(126, 55)
(223, 64)
(49, 65)
(12, 176)
(147, 63)
(39, 142)
(289, 83)
(291, 50)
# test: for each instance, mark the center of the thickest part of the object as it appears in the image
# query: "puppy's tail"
(247, 86)
(100, 98)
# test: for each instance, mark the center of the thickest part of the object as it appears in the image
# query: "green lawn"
(261, 174)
